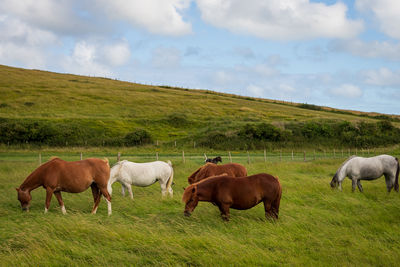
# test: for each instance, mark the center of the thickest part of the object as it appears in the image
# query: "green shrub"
(138, 137)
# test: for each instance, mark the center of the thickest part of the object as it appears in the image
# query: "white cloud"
(373, 49)
(223, 78)
(166, 57)
(347, 91)
(117, 54)
(57, 16)
(282, 20)
(156, 16)
(85, 61)
(382, 77)
(387, 12)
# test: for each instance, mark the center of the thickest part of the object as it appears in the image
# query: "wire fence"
(247, 157)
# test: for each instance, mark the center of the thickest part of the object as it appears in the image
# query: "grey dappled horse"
(359, 168)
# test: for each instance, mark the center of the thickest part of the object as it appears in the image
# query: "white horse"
(359, 168)
(142, 174)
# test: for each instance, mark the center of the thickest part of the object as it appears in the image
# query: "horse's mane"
(344, 163)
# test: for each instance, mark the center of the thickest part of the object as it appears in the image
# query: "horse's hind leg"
(271, 210)
(163, 189)
(96, 197)
(359, 185)
(389, 183)
(60, 201)
(107, 196)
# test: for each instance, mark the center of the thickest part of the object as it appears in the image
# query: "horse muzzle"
(25, 209)
(187, 213)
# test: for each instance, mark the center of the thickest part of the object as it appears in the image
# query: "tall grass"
(317, 226)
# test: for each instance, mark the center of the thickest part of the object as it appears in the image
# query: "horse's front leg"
(122, 189)
(353, 185)
(49, 194)
(60, 201)
(359, 185)
(224, 209)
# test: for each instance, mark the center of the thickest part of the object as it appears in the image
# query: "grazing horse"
(359, 168)
(237, 193)
(211, 169)
(142, 174)
(214, 160)
(58, 175)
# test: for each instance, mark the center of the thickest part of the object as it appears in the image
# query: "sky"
(341, 54)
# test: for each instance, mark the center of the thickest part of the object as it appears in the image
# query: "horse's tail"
(276, 202)
(171, 177)
(396, 182)
(114, 175)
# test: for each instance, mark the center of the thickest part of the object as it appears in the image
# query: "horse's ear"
(183, 188)
(17, 188)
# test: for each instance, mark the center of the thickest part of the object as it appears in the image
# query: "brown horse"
(211, 169)
(237, 193)
(58, 175)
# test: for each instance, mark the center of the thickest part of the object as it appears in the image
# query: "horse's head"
(24, 197)
(190, 199)
(218, 159)
(334, 181)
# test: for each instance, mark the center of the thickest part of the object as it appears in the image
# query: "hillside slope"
(117, 107)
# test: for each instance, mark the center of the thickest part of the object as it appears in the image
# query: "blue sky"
(343, 54)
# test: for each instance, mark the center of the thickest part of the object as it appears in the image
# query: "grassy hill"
(89, 107)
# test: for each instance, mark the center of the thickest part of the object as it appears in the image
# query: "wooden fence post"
(40, 158)
(334, 153)
(248, 157)
(118, 156)
(265, 156)
(314, 154)
(81, 156)
(194, 144)
(348, 151)
(156, 155)
(304, 155)
(280, 155)
(230, 157)
(292, 155)
(183, 156)
(175, 143)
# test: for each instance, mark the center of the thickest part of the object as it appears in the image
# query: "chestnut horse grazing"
(237, 193)
(58, 175)
(211, 169)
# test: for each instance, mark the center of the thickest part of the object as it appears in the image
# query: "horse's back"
(248, 191)
(144, 174)
(371, 168)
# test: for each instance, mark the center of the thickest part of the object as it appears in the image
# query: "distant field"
(317, 226)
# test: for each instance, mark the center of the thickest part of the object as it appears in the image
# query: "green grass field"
(116, 108)
(317, 226)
